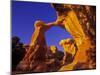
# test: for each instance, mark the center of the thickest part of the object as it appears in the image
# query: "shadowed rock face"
(80, 53)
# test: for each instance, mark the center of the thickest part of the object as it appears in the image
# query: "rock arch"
(68, 20)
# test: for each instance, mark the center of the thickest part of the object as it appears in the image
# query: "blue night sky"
(24, 14)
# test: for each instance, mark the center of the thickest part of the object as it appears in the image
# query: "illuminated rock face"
(77, 27)
(53, 49)
(68, 45)
(37, 38)
(70, 50)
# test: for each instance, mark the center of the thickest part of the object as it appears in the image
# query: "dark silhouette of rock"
(18, 52)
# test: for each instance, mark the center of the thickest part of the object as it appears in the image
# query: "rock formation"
(70, 50)
(80, 23)
(80, 50)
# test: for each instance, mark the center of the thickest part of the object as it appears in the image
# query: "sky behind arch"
(24, 14)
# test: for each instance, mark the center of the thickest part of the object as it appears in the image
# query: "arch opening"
(54, 35)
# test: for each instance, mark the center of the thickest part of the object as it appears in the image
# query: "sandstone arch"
(68, 20)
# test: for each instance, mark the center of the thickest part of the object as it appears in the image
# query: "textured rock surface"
(80, 22)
